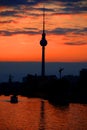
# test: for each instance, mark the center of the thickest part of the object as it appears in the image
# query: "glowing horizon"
(21, 30)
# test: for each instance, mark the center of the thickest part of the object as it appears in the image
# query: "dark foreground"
(57, 91)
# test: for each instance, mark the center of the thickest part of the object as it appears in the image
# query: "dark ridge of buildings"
(57, 91)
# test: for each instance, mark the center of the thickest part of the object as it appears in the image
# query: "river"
(38, 114)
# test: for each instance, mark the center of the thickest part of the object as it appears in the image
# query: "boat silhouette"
(14, 99)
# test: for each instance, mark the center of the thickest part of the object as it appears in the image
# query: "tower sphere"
(43, 41)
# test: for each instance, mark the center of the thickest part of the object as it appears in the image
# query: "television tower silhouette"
(43, 43)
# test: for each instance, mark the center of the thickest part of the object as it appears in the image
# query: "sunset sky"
(21, 30)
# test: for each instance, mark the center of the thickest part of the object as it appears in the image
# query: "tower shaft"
(43, 62)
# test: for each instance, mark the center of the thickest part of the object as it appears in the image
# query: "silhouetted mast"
(43, 43)
(43, 19)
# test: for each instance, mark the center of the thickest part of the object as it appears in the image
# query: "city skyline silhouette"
(19, 34)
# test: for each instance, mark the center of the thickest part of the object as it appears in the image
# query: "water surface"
(38, 114)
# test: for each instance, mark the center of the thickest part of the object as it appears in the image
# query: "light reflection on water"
(37, 114)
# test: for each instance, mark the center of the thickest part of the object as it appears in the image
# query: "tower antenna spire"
(43, 18)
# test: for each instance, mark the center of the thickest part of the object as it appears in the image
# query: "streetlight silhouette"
(60, 71)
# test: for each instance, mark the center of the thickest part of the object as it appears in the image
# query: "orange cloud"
(27, 48)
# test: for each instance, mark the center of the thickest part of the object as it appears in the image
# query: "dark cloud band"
(63, 31)
(70, 6)
(57, 31)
